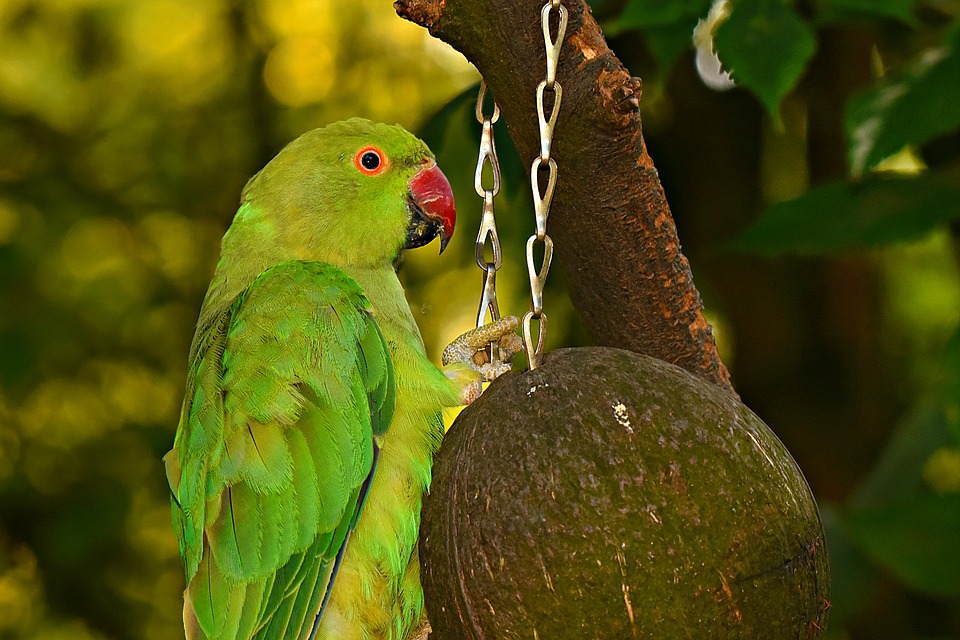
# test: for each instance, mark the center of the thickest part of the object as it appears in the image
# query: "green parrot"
(311, 412)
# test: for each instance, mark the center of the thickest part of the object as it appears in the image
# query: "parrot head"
(354, 192)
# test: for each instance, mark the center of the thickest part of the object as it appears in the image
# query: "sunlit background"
(129, 127)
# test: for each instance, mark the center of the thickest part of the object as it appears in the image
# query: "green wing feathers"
(287, 389)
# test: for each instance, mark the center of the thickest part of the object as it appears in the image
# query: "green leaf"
(910, 109)
(899, 9)
(897, 476)
(842, 216)
(643, 14)
(897, 522)
(917, 540)
(765, 45)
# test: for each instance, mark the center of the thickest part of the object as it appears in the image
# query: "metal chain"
(488, 225)
(542, 200)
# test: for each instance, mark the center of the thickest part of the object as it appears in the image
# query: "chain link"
(547, 124)
(550, 44)
(541, 203)
(543, 198)
(488, 225)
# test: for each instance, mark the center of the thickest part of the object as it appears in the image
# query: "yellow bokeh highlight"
(181, 46)
(95, 247)
(9, 222)
(942, 470)
(291, 17)
(300, 71)
(921, 288)
(173, 245)
(319, 51)
(63, 413)
(19, 589)
(35, 70)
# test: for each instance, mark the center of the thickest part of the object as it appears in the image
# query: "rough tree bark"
(614, 235)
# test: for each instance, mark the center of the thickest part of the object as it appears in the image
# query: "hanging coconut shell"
(606, 494)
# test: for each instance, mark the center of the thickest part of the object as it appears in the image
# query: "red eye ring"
(370, 161)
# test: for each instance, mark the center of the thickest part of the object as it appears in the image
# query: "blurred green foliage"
(128, 128)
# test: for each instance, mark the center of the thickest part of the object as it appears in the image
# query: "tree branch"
(614, 235)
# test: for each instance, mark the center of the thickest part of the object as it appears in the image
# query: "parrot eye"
(370, 161)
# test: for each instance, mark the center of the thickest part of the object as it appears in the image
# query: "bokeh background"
(128, 128)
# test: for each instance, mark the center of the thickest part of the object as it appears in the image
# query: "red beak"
(432, 210)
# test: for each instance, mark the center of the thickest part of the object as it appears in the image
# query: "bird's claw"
(470, 348)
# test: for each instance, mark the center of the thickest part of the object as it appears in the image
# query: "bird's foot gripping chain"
(470, 349)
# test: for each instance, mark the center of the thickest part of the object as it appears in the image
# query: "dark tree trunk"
(615, 237)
